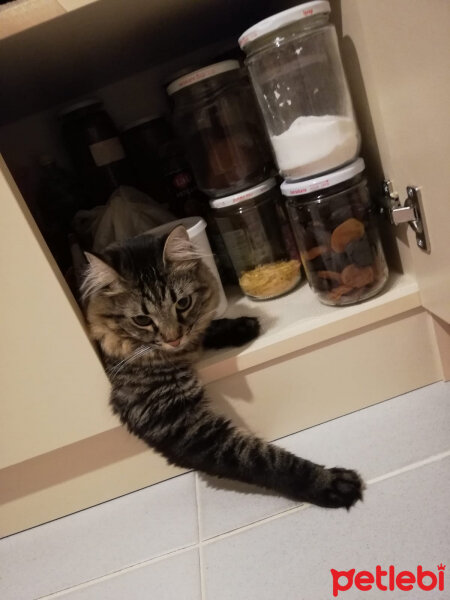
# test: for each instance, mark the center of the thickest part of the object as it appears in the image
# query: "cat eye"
(143, 320)
(183, 303)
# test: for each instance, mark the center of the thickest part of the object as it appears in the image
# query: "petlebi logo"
(388, 580)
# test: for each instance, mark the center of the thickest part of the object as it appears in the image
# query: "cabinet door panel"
(404, 55)
(53, 387)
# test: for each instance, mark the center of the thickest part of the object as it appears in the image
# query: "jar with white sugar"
(296, 70)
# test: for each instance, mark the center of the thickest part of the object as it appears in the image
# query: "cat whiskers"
(141, 350)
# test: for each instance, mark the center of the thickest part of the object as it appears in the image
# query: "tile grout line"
(410, 467)
(118, 573)
(232, 532)
(304, 506)
(201, 543)
(200, 538)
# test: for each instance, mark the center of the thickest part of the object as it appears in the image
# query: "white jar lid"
(303, 11)
(308, 186)
(193, 225)
(201, 74)
(257, 190)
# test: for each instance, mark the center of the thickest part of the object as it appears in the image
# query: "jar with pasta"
(259, 240)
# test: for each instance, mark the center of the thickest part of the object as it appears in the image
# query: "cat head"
(151, 293)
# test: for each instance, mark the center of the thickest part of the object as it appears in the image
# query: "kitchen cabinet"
(61, 450)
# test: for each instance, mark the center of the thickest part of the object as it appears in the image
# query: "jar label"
(238, 249)
(107, 151)
(247, 248)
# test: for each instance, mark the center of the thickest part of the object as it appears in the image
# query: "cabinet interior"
(123, 53)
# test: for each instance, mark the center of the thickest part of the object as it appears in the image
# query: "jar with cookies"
(334, 223)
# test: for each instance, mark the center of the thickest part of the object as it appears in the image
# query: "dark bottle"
(93, 143)
(144, 141)
(185, 199)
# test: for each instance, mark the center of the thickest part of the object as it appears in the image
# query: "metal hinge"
(410, 212)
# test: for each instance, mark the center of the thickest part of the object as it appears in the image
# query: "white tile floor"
(195, 538)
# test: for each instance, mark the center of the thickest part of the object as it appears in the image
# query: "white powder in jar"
(313, 145)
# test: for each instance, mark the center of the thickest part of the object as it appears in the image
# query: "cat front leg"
(212, 444)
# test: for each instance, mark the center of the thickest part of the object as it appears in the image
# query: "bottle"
(185, 199)
(93, 143)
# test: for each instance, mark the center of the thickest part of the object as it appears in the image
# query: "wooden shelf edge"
(402, 296)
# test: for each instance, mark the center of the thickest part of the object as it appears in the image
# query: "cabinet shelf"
(298, 321)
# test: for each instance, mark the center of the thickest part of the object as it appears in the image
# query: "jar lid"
(139, 122)
(253, 192)
(308, 186)
(194, 226)
(78, 106)
(201, 74)
(303, 11)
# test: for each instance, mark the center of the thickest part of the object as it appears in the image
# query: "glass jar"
(162, 168)
(216, 117)
(295, 67)
(259, 240)
(144, 141)
(336, 231)
(93, 144)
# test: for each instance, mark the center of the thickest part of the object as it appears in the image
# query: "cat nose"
(174, 343)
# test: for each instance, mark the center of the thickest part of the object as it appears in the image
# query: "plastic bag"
(127, 213)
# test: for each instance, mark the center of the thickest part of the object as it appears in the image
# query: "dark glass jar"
(144, 141)
(259, 241)
(216, 117)
(161, 166)
(184, 197)
(93, 144)
(333, 220)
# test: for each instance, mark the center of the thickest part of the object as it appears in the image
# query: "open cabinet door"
(54, 389)
(401, 48)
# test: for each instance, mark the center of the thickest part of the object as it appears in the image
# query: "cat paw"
(223, 333)
(245, 329)
(342, 489)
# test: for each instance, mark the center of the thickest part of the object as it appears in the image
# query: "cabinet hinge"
(410, 212)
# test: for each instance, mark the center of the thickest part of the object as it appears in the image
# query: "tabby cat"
(150, 304)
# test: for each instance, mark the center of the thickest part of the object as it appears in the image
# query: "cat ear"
(99, 276)
(178, 249)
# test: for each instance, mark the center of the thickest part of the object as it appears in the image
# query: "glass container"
(296, 70)
(93, 143)
(334, 223)
(144, 141)
(163, 170)
(217, 118)
(259, 240)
